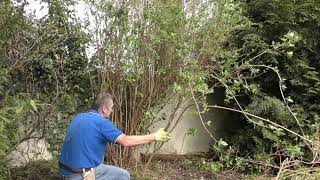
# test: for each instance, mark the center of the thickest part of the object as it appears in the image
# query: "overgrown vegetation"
(264, 53)
(275, 77)
(143, 57)
(42, 65)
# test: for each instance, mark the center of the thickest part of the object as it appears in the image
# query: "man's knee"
(125, 174)
(111, 172)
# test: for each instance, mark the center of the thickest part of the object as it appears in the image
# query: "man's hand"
(162, 135)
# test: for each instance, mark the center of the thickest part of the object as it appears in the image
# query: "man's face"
(107, 110)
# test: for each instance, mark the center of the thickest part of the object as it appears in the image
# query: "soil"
(177, 168)
(160, 168)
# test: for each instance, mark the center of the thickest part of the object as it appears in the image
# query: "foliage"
(151, 53)
(147, 54)
(275, 77)
(42, 69)
(38, 170)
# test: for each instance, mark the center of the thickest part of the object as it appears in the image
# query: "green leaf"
(177, 88)
(150, 114)
(222, 143)
(269, 135)
(290, 100)
(192, 131)
(4, 118)
(294, 150)
(33, 105)
(19, 109)
(216, 166)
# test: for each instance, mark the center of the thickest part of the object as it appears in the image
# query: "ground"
(178, 168)
(173, 168)
(168, 169)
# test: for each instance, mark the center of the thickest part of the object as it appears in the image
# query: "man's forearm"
(135, 140)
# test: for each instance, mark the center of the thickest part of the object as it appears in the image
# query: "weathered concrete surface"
(29, 150)
(183, 142)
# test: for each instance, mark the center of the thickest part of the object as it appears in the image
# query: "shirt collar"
(93, 111)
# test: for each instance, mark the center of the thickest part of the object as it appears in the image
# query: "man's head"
(103, 104)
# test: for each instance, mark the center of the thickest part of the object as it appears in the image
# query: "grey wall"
(29, 150)
(181, 142)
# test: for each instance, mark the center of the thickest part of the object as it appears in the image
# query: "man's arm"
(160, 135)
(127, 141)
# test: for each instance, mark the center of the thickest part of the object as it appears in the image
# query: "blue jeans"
(104, 172)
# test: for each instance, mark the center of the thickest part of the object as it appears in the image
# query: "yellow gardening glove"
(162, 135)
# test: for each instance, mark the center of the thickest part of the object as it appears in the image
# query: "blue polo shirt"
(85, 142)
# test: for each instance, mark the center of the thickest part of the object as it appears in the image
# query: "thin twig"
(199, 113)
(266, 120)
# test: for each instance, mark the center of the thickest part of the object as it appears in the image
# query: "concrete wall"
(181, 142)
(29, 150)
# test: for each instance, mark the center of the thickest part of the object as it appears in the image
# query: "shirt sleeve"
(109, 132)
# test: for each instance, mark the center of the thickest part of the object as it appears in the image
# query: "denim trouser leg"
(105, 172)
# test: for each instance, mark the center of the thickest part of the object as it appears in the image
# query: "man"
(84, 146)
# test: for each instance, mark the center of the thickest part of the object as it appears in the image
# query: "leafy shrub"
(279, 82)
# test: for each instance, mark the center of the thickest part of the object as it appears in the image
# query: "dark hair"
(103, 99)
